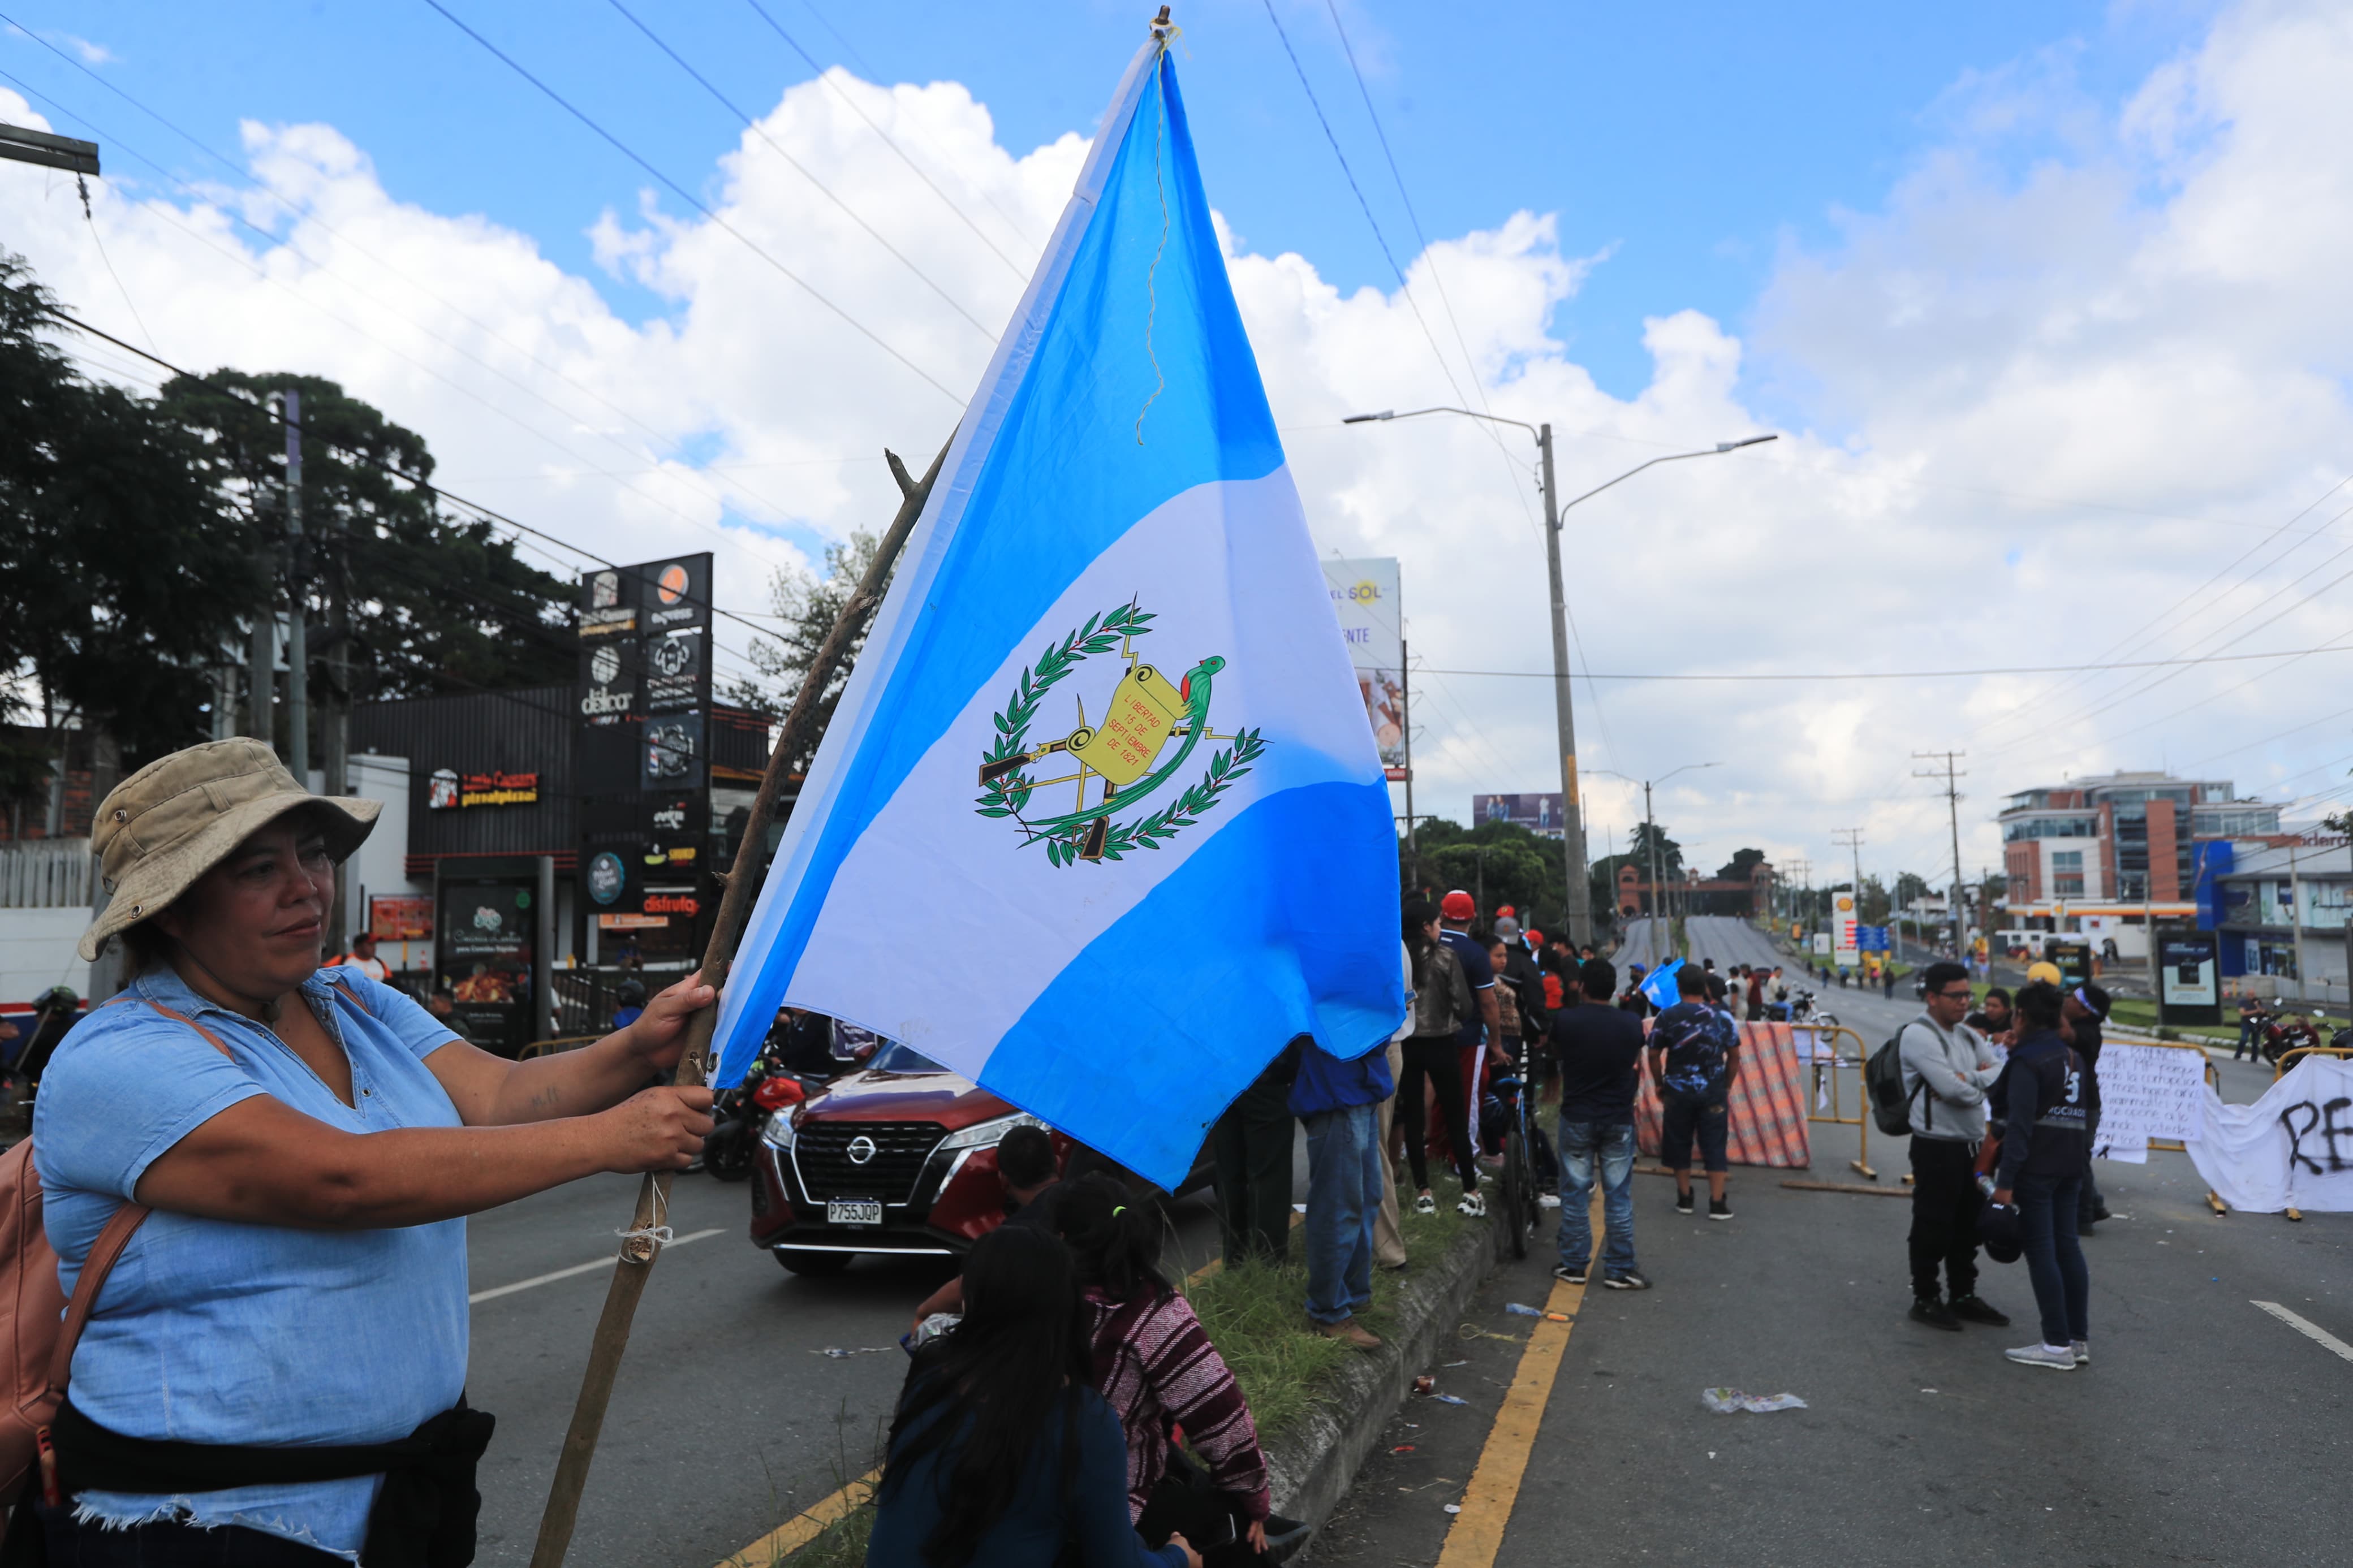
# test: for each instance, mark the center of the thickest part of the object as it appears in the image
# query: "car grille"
(821, 1150)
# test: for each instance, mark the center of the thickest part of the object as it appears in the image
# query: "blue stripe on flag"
(1192, 961)
(1063, 479)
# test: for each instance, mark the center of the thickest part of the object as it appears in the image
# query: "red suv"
(900, 1157)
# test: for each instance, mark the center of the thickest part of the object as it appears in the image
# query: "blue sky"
(2045, 301)
(1691, 143)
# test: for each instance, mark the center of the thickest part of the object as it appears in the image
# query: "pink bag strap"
(106, 1249)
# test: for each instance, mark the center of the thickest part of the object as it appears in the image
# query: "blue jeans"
(2054, 1258)
(1343, 1198)
(1583, 1144)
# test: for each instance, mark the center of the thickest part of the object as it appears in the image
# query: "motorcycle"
(2280, 1034)
(736, 1114)
(1798, 1008)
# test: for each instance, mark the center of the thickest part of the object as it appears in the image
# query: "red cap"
(1508, 909)
(1535, 938)
(1458, 905)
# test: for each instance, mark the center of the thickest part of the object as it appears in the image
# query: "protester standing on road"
(2251, 1029)
(2045, 1107)
(1388, 1234)
(1250, 1147)
(1339, 1103)
(1694, 1060)
(2083, 1014)
(1520, 971)
(1599, 1049)
(1440, 1062)
(1947, 1068)
(363, 958)
(1002, 1455)
(1634, 1001)
(309, 1141)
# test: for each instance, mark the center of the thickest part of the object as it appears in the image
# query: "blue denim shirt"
(209, 1331)
(1327, 1083)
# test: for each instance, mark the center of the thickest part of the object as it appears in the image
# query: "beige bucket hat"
(179, 817)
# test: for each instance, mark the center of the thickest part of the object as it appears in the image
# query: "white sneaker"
(2058, 1357)
(1472, 1204)
(1549, 1201)
(1425, 1204)
(2082, 1349)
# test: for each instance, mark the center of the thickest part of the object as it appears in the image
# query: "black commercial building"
(569, 832)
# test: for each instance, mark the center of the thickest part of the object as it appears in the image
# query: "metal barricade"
(1827, 1061)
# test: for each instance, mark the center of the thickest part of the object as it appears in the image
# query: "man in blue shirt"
(1339, 1103)
(1695, 1059)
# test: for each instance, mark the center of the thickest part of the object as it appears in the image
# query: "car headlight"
(777, 1132)
(988, 1134)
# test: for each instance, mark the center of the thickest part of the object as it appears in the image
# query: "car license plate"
(853, 1211)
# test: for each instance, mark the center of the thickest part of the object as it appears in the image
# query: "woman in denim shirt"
(309, 1141)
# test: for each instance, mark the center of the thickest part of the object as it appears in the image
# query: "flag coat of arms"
(1099, 822)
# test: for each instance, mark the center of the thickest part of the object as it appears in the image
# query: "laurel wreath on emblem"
(1090, 833)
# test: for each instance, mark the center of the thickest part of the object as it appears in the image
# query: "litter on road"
(1726, 1401)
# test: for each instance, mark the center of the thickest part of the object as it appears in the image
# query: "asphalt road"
(2204, 1431)
(728, 1418)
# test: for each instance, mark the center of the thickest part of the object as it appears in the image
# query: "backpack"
(1883, 1082)
(38, 1327)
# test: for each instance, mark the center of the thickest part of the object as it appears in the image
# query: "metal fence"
(44, 874)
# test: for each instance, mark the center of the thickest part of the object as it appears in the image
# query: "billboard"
(1844, 929)
(2189, 976)
(1372, 623)
(1536, 813)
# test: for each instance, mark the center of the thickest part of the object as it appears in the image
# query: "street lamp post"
(1581, 910)
(1658, 945)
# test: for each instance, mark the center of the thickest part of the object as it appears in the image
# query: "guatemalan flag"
(1099, 822)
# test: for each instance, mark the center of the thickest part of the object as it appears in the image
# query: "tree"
(1497, 862)
(1739, 868)
(438, 603)
(1910, 888)
(1671, 854)
(119, 578)
(809, 606)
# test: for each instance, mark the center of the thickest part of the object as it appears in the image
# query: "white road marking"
(497, 1290)
(2310, 1330)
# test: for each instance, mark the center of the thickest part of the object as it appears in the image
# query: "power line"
(310, 213)
(239, 258)
(1912, 674)
(696, 203)
(375, 462)
(753, 126)
(1018, 270)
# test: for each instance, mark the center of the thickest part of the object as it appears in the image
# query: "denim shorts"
(1682, 1115)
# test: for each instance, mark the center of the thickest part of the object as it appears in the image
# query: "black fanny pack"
(424, 1516)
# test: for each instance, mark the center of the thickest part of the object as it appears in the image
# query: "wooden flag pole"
(642, 1244)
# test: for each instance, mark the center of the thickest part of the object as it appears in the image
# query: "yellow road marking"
(1477, 1533)
(814, 1521)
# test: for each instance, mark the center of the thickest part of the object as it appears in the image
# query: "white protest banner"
(2149, 1091)
(2291, 1149)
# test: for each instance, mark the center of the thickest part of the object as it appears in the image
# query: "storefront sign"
(400, 918)
(498, 789)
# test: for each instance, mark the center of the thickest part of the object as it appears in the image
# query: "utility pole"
(298, 652)
(1953, 810)
(1658, 936)
(1572, 814)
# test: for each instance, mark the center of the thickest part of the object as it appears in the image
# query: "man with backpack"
(1946, 1069)
(1696, 1059)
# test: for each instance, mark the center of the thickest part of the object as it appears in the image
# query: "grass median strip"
(1257, 1318)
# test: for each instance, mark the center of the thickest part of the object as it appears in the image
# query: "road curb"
(1310, 1467)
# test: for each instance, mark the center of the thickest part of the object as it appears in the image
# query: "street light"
(1658, 947)
(1580, 913)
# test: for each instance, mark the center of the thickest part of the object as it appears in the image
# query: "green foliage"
(808, 606)
(120, 579)
(1744, 862)
(439, 602)
(1670, 856)
(1497, 862)
(1102, 633)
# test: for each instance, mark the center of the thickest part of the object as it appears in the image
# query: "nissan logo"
(861, 1149)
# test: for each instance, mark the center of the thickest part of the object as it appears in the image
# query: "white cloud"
(2026, 408)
